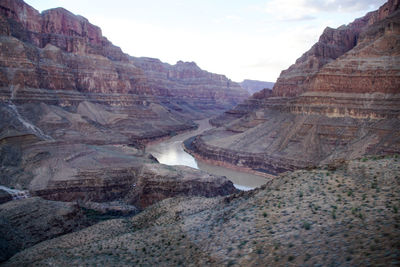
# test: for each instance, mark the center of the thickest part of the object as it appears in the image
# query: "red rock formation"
(70, 53)
(332, 44)
(187, 80)
(340, 105)
(67, 93)
(371, 67)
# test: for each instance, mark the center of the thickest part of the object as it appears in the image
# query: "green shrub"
(306, 225)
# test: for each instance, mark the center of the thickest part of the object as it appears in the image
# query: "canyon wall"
(76, 112)
(57, 50)
(332, 44)
(341, 99)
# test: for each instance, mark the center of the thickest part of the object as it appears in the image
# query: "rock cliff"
(57, 50)
(76, 112)
(344, 105)
(332, 44)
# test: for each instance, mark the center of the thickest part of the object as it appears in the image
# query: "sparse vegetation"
(263, 225)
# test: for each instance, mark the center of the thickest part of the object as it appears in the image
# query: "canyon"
(83, 126)
(339, 101)
(77, 112)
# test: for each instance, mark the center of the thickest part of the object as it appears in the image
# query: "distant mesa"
(253, 86)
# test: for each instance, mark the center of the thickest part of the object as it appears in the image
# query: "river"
(171, 152)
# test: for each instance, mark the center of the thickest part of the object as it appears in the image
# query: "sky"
(243, 39)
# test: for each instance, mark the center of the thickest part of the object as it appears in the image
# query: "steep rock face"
(372, 66)
(187, 80)
(76, 113)
(130, 178)
(69, 53)
(58, 27)
(332, 44)
(348, 107)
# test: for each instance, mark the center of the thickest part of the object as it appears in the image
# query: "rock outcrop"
(342, 215)
(24, 223)
(4, 196)
(332, 44)
(344, 105)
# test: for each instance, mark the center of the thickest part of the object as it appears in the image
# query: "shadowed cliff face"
(340, 100)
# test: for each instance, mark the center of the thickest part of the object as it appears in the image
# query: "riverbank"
(173, 152)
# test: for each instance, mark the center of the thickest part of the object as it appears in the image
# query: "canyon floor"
(343, 214)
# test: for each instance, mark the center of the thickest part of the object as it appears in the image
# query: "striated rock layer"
(344, 106)
(58, 50)
(332, 44)
(76, 112)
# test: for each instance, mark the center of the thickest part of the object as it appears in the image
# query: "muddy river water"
(171, 152)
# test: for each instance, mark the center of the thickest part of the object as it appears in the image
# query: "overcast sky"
(243, 39)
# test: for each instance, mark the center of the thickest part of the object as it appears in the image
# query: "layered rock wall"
(76, 112)
(340, 100)
(61, 51)
(332, 44)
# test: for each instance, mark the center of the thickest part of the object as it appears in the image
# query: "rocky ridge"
(57, 50)
(27, 222)
(344, 214)
(344, 108)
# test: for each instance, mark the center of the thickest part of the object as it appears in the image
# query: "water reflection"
(171, 152)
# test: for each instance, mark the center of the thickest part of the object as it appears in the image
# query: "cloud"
(301, 10)
(302, 18)
(286, 10)
(229, 19)
(343, 5)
